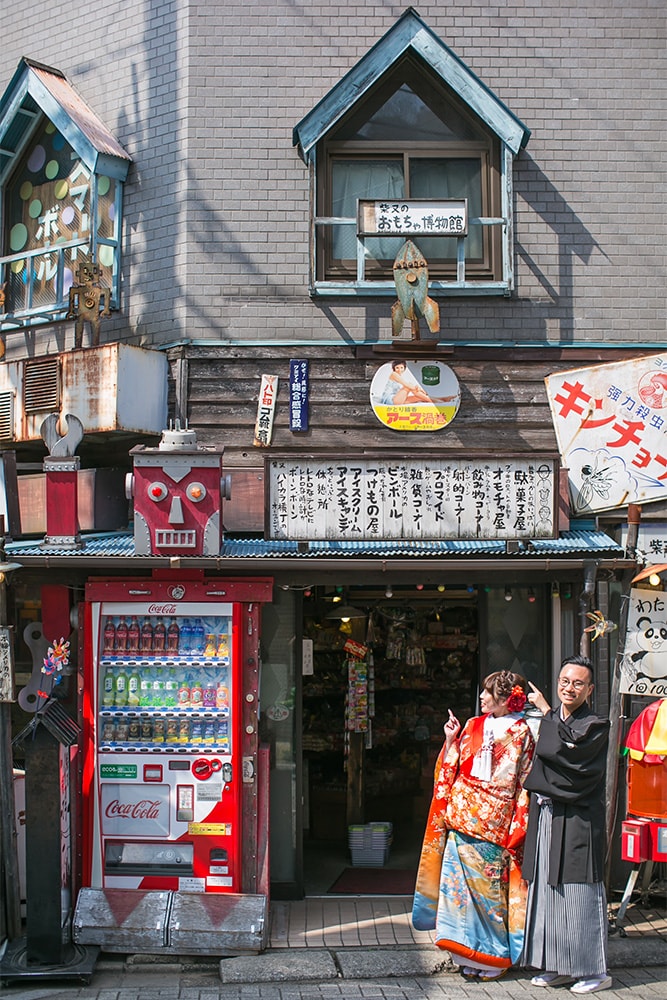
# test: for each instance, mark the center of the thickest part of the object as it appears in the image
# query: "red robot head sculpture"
(177, 490)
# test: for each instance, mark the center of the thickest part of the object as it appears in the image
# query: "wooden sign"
(6, 665)
(357, 498)
(417, 217)
(266, 408)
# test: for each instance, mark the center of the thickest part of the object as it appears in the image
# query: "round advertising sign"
(415, 395)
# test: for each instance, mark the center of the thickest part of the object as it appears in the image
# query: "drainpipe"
(585, 599)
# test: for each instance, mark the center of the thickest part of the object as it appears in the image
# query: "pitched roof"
(35, 90)
(410, 34)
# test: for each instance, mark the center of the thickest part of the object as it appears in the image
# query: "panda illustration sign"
(644, 663)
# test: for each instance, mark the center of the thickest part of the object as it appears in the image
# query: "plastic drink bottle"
(211, 646)
(198, 637)
(173, 637)
(222, 697)
(109, 636)
(108, 688)
(146, 636)
(209, 695)
(171, 689)
(196, 695)
(185, 640)
(121, 636)
(120, 692)
(158, 688)
(145, 689)
(183, 694)
(133, 635)
(159, 638)
(133, 689)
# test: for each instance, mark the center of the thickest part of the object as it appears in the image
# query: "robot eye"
(157, 491)
(195, 492)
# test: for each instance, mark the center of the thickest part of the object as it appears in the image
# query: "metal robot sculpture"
(178, 491)
(411, 280)
(85, 300)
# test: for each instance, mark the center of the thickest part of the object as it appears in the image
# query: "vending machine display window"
(164, 683)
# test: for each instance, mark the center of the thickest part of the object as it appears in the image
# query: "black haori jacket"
(569, 767)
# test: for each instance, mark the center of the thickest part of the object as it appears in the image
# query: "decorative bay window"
(61, 179)
(410, 122)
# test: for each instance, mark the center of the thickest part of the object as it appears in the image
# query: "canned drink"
(209, 733)
(172, 731)
(184, 731)
(158, 731)
(146, 730)
(196, 731)
(134, 731)
(122, 731)
(108, 731)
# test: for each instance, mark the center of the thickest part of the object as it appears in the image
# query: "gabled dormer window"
(61, 177)
(410, 123)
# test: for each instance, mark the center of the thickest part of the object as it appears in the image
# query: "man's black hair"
(578, 661)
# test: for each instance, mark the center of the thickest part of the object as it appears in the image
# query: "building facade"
(212, 160)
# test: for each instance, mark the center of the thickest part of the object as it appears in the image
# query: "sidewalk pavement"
(638, 967)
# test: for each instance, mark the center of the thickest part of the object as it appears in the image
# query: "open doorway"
(386, 665)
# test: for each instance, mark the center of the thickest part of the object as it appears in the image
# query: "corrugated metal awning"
(96, 549)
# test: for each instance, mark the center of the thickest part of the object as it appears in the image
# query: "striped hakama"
(566, 924)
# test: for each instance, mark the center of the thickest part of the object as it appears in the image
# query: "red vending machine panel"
(164, 729)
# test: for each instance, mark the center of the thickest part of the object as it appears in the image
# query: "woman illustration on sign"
(403, 388)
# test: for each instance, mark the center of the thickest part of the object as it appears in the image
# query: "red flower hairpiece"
(517, 699)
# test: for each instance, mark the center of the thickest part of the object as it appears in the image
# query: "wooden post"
(616, 712)
(10, 910)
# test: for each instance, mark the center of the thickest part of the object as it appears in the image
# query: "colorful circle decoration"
(415, 395)
(37, 159)
(25, 191)
(18, 237)
(51, 170)
(61, 189)
(35, 208)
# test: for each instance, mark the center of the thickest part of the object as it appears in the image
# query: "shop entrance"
(386, 666)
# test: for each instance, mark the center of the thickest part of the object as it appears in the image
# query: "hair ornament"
(517, 699)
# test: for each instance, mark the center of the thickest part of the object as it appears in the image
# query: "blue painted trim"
(410, 34)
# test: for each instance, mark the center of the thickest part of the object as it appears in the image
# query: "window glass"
(362, 178)
(437, 177)
(49, 202)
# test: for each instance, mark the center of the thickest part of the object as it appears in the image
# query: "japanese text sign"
(644, 662)
(266, 408)
(426, 498)
(298, 395)
(413, 218)
(610, 422)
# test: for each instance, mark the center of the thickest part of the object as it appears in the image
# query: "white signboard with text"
(644, 662)
(425, 498)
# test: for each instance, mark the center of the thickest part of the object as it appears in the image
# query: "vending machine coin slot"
(218, 861)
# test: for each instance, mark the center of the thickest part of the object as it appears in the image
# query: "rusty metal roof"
(36, 89)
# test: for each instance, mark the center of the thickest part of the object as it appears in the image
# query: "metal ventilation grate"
(41, 385)
(6, 416)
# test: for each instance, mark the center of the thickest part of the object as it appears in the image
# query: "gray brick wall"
(204, 97)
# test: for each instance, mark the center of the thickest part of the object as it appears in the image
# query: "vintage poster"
(415, 395)
(644, 661)
(610, 422)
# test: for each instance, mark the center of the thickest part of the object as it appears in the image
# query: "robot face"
(177, 501)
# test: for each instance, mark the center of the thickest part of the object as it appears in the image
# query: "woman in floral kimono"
(469, 886)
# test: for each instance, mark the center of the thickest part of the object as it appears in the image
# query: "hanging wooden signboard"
(362, 498)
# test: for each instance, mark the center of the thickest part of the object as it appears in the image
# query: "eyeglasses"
(564, 682)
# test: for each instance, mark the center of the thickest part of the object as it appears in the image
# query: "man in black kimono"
(564, 857)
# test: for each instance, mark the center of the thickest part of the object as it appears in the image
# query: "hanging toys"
(600, 626)
(57, 657)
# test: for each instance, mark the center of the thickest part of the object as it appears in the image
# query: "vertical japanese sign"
(644, 662)
(610, 422)
(298, 395)
(266, 408)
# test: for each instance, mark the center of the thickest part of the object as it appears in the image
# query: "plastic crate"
(369, 844)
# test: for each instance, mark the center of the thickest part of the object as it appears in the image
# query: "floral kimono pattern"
(469, 886)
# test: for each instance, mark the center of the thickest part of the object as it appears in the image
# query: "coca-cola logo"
(144, 809)
(161, 609)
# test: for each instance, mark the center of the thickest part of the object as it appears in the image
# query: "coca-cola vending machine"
(169, 730)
